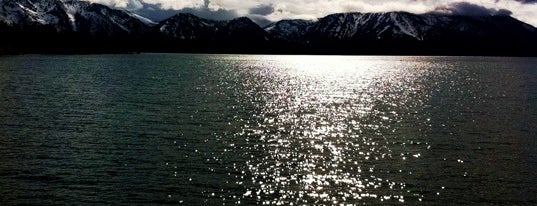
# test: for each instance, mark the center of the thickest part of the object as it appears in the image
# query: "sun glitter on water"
(324, 124)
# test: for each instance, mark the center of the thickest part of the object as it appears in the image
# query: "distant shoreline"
(239, 53)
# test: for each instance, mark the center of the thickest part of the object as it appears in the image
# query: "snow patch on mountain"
(141, 18)
(71, 10)
(71, 15)
(289, 28)
(38, 12)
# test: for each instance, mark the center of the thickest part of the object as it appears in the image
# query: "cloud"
(468, 9)
(158, 14)
(274, 10)
(163, 4)
(262, 10)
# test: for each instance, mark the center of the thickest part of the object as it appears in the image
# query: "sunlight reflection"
(323, 126)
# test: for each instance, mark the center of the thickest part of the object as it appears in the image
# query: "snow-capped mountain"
(186, 31)
(402, 32)
(98, 19)
(190, 27)
(292, 30)
(74, 25)
(69, 16)
(34, 13)
(397, 25)
(369, 25)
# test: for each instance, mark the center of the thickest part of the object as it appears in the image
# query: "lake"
(267, 129)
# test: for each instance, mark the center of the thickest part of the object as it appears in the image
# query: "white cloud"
(165, 4)
(310, 9)
(315, 9)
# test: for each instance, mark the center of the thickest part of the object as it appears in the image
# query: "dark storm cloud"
(468, 9)
(219, 14)
(262, 10)
(154, 12)
(527, 1)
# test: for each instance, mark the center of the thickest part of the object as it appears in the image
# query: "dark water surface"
(289, 130)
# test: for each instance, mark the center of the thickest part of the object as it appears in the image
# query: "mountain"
(290, 30)
(189, 32)
(67, 26)
(406, 33)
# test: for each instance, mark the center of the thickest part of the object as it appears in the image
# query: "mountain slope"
(398, 25)
(188, 27)
(290, 30)
(69, 16)
(66, 26)
(402, 32)
(189, 32)
(26, 13)
(99, 20)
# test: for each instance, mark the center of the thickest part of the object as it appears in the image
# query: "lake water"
(254, 129)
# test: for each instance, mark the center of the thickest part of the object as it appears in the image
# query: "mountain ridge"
(398, 32)
(82, 27)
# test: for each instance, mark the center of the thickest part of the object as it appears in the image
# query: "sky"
(265, 11)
